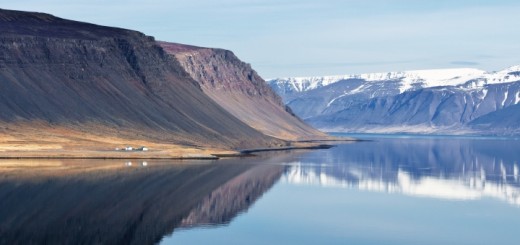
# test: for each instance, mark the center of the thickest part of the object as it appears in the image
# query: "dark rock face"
(19, 23)
(69, 73)
(235, 86)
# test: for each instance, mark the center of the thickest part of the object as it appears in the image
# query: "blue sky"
(283, 38)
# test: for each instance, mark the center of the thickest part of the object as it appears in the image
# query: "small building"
(142, 148)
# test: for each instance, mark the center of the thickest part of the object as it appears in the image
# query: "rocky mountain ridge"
(447, 102)
(235, 86)
(407, 79)
(112, 86)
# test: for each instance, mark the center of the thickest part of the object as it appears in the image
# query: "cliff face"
(118, 82)
(235, 86)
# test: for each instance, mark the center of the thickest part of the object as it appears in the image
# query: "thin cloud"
(283, 37)
(465, 63)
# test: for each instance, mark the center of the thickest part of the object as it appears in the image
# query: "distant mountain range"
(452, 101)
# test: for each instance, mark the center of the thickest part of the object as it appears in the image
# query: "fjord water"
(388, 190)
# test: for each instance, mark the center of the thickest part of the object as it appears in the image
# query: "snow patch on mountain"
(511, 74)
(408, 79)
(438, 77)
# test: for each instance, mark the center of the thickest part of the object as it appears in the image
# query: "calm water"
(390, 190)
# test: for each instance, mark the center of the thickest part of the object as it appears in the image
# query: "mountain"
(506, 120)
(68, 85)
(403, 80)
(423, 101)
(236, 87)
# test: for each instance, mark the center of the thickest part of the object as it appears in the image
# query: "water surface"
(389, 190)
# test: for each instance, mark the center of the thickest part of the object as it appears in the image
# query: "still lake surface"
(387, 190)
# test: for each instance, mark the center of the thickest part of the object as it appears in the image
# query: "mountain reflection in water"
(123, 202)
(447, 168)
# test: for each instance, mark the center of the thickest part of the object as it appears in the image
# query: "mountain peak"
(15, 15)
(407, 79)
(514, 68)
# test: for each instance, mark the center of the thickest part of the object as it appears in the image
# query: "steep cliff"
(108, 82)
(235, 86)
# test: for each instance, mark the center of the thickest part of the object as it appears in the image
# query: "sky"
(286, 38)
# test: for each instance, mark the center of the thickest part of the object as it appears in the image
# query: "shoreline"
(212, 157)
(249, 152)
(174, 154)
(288, 148)
(162, 155)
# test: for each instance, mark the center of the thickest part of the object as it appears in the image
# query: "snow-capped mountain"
(422, 101)
(407, 79)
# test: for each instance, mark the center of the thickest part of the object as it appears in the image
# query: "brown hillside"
(235, 86)
(106, 84)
